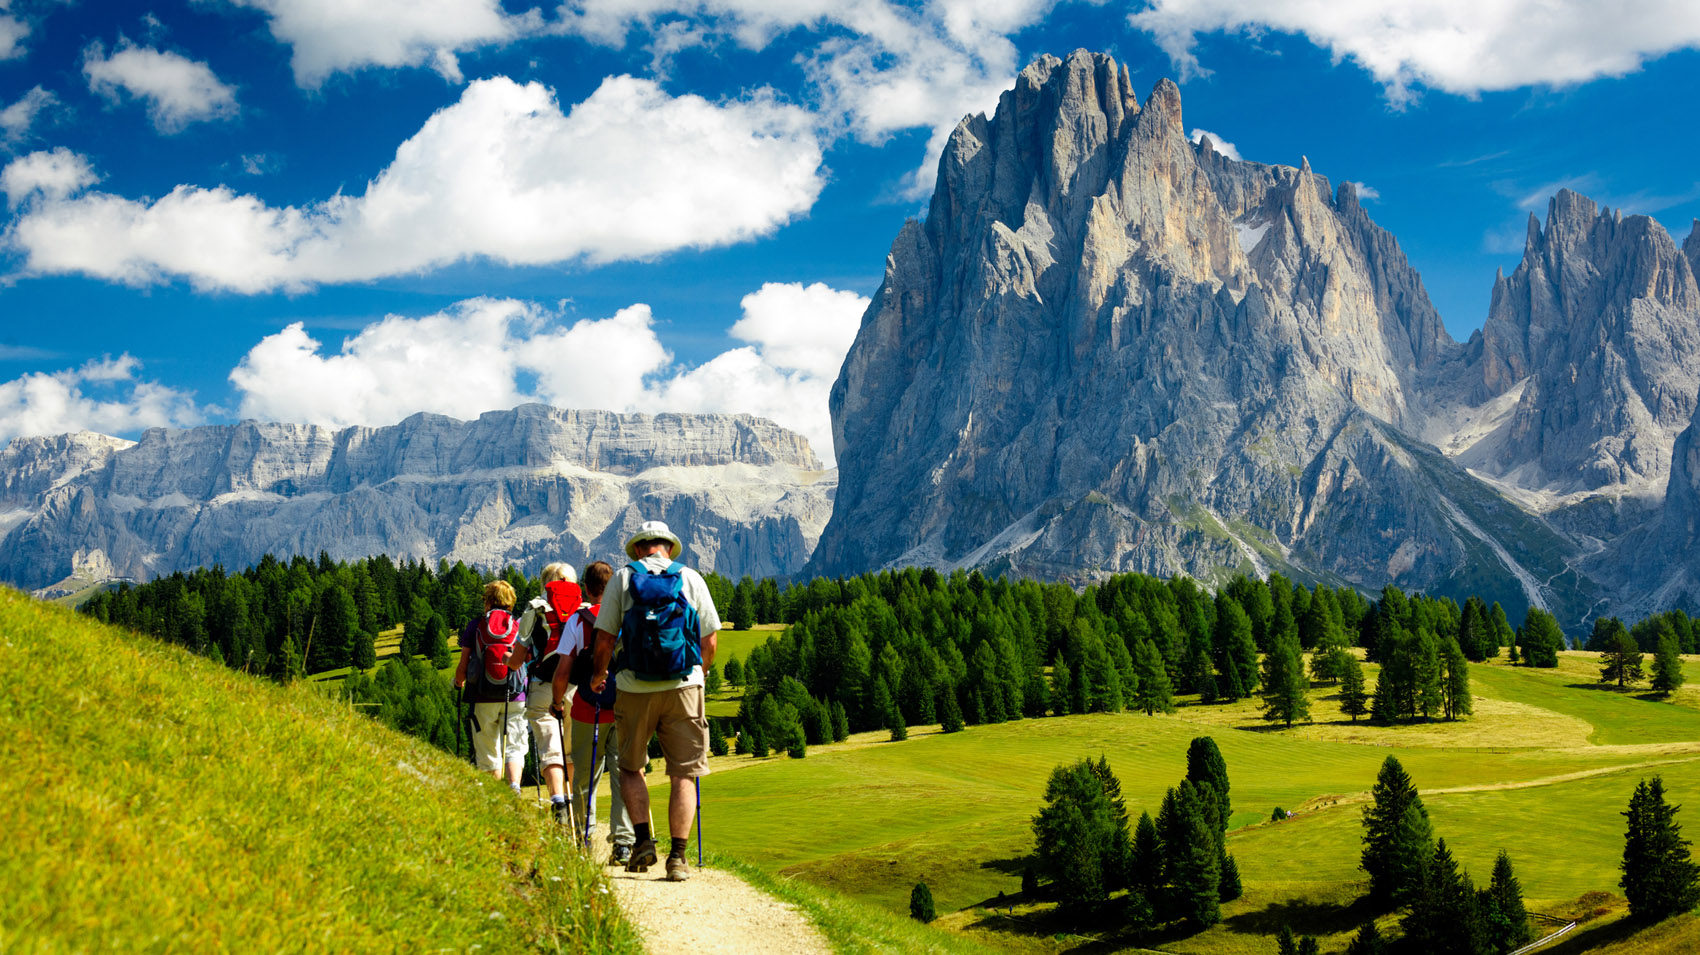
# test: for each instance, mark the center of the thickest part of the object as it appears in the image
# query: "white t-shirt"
(618, 598)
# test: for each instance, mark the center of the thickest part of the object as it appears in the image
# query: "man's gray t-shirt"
(617, 599)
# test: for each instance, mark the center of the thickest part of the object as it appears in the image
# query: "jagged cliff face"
(1592, 340)
(524, 486)
(1109, 349)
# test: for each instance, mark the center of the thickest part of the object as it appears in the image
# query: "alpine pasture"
(1544, 772)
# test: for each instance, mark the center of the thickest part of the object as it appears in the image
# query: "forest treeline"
(899, 648)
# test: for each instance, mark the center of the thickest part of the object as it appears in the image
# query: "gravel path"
(713, 913)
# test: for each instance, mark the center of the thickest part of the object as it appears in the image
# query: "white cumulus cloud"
(13, 33)
(496, 353)
(178, 90)
(103, 395)
(18, 117)
(54, 174)
(1217, 143)
(877, 67)
(1366, 192)
(503, 173)
(337, 36)
(1457, 46)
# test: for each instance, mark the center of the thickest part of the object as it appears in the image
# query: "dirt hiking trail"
(715, 913)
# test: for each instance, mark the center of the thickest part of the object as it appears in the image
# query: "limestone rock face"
(1598, 329)
(525, 486)
(1110, 349)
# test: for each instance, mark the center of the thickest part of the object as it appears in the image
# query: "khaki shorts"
(545, 728)
(497, 741)
(677, 715)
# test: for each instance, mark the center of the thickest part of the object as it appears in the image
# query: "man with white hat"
(661, 614)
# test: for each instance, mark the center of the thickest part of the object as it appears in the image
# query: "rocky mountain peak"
(1597, 325)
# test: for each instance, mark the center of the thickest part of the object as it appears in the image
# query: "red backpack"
(495, 640)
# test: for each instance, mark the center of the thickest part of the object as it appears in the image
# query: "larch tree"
(1620, 659)
(1667, 664)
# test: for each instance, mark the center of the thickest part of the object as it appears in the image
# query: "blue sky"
(345, 213)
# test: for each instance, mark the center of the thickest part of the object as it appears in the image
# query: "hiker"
(594, 741)
(539, 643)
(662, 615)
(497, 695)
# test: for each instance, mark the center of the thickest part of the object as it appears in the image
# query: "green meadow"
(1543, 771)
(158, 801)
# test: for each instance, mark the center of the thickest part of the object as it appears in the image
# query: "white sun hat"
(654, 531)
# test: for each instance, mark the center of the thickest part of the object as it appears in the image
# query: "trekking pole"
(590, 786)
(698, 781)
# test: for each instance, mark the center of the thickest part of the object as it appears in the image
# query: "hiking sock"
(559, 799)
(514, 786)
(679, 847)
(641, 831)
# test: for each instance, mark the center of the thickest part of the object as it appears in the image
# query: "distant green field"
(1544, 777)
(158, 801)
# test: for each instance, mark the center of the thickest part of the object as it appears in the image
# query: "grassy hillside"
(154, 800)
(1544, 773)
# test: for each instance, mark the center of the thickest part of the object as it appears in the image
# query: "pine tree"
(1154, 691)
(1062, 685)
(1429, 674)
(1147, 856)
(716, 739)
(899, 729)
(734, 672)
(1541, 639)
(1285, 944)
(1081, 843)
(1197, 876)
(1667, 664)
(1286, 690)
(1353, 701)
(1505, 922)
(1443, 917)
(1659, 879)
(1396, 835)
(1029, 882)
(1309, 946)
(711, 679)
(365, 651)
(840, 721)
(1205, 766)
(437, 643)
(1229, 888)
(743, 610)
(921, 903)
(1620, 659)
(1455, 682)
(1368, 941)
(951, 722)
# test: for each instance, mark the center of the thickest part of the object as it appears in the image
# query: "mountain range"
(1106, 348)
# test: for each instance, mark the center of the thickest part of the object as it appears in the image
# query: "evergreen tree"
(1473, 630)
(1285, 943)
(1062, 685)
(1153, 692)
(1368, 941)
(437, 643)
(1286, 689)
(1667, 665)
(1659, 879)
(1455, 681)
(1353, 701)
(1396, 836)
(742, 613)
(1541, 639)
(1620, 658)
(1443, 918)
(1205, 766)
(1229, 888)
(1147, 856)
(1197, 877)
(734, 672)
(951, 721)
(1309, 946)
(334, 629)
(286, 663)
(1080, 834)
(1430, 677)
(921, 903)
(365, 650)
(1501, 630)
(899, 729)
(840, 722)
(1505, 922)
(1029, 882)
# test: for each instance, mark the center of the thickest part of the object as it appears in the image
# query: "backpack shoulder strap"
(675, 568)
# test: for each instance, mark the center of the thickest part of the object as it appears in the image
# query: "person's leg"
(684, 742)
(619, 818)
(487, 730)
(518, 744)
(546, 730)
(682, 806)
(635, 714)
(583, 778)
(635, 795)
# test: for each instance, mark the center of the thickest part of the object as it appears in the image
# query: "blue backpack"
(658, 637)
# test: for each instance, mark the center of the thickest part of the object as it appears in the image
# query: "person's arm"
(710, 643)
(460, 668)
(563, 677)
(518, 655)
(599, 661)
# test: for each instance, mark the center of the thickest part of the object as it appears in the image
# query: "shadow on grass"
(1010, 866)
(1307, 917)
(1633, 692)
(1587, 938)
(1100, 929)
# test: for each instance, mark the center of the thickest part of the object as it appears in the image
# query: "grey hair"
(559, 571)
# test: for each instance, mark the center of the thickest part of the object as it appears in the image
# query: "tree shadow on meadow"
(1306, 917)
(1632, 692)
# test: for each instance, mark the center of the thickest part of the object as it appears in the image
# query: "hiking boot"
(564, 813)
(643, 856)
(620, 855)
(678, 870)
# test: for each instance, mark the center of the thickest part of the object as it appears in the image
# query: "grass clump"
(171, 803)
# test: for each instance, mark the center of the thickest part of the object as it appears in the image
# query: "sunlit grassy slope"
(153, 800)
(1544, 772)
